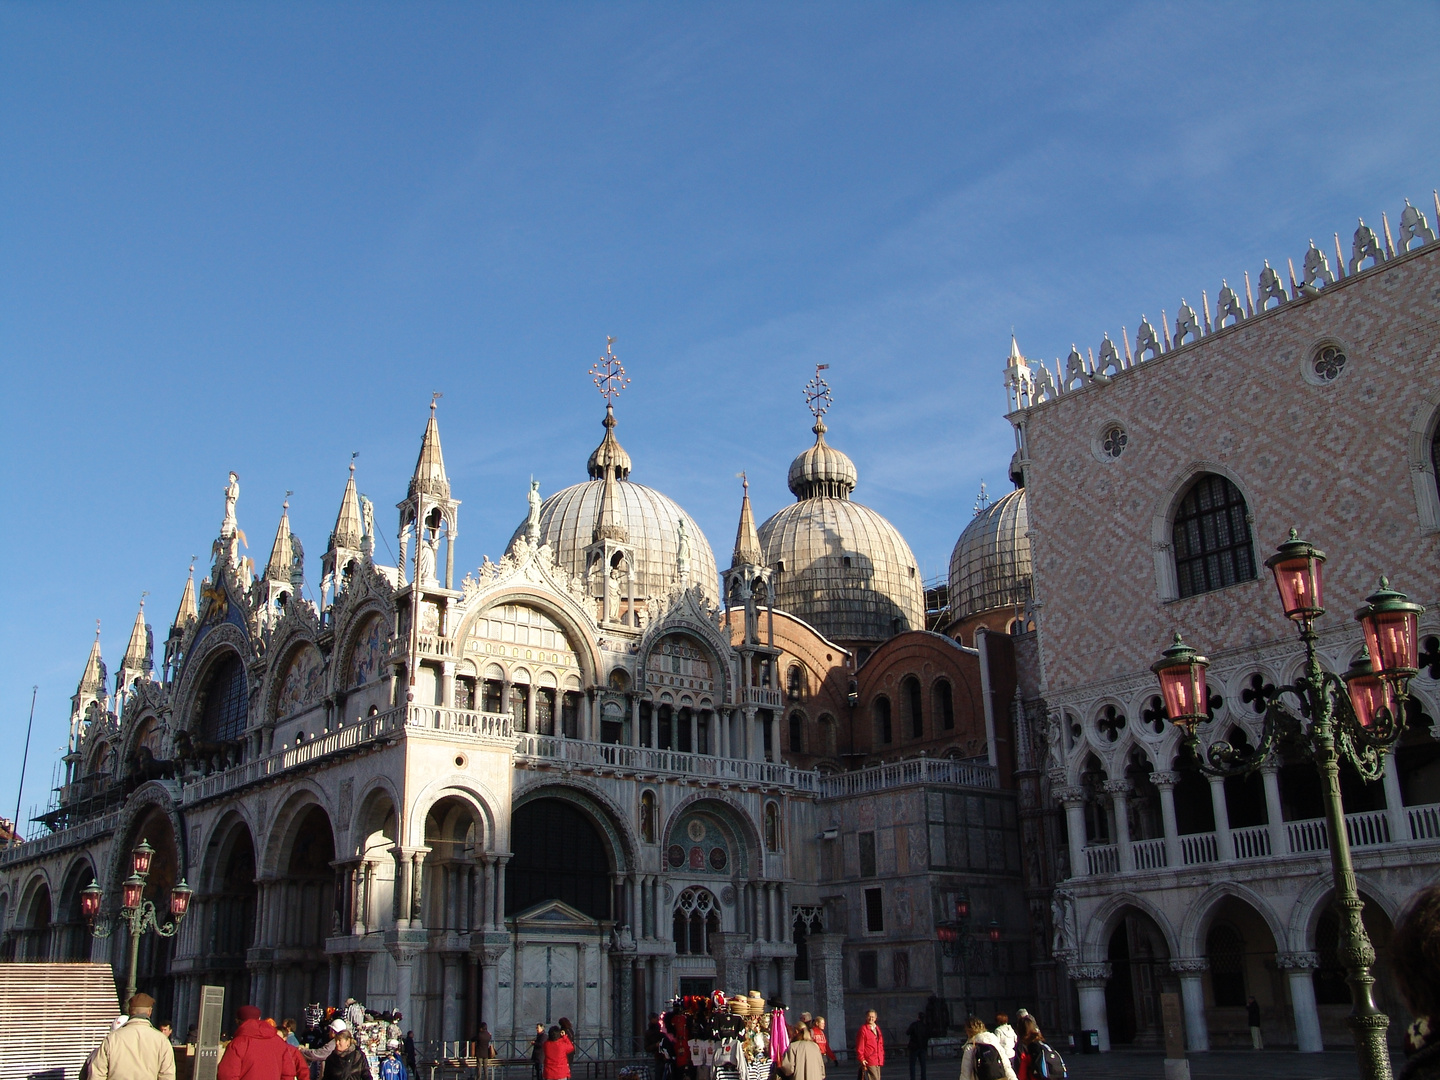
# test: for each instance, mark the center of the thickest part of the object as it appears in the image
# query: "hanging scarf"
(779, 1035)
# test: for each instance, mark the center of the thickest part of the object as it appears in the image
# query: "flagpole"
(24, 760)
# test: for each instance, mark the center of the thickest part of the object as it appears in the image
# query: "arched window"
(225, 701)
(881, 708)
(912, 699)
(1211, 537)
(1435, 454)
(944, 704)
(772, 827)
(697, 919)
(647, 817)
(797, 733)
(1226, 950)
(795, 682)
(1097, 804)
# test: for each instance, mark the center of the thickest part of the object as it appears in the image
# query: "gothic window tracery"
(1211, 536)
(696, 921)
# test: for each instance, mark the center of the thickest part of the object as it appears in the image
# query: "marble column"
(1275, 818)
(1223, 842)
(450, 998)
(1165, 783)
(1073, 799)
(404, 961)
(1394, 802)
(1090, 980)
(1191, 971)
(500, 861)
(490, 958)
(1119, 791)
(754, 744)
(1299, 968)
(403, 869)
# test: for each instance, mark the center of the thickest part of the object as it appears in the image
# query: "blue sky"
(258, 236)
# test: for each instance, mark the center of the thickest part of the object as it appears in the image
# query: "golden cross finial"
(609, 373)
(817, 393)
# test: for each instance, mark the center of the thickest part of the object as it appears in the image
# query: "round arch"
(155, 795)
(612, 822)
(231, 832)
(561, 854)
(562, 612)
(275, 847)
(376, 804)
(357, 624)
(200, 663)
(283, 656)
(749, 842)
(470, 790)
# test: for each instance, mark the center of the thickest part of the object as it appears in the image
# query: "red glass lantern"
(995, 933)
(90, 900)
(947, 934)
(131, 890)
(962, 908)
(1181, 671)
(1296, 566)
(1391, 626)
(180, 899)
(1369, 693)
(141, 858)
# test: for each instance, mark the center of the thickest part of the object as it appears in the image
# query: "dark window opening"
(797, 729)
(800, 934)
(917, 717)
(559, 855)
(1212, 537)
(882, 720)
(875, 911)
(867, 854)
(945, 705)
(1330, 985)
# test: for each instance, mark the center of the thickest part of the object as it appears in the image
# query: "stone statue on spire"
(682, 554)
(232, 495)
(532, 523)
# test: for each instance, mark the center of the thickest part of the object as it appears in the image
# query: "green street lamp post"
(1360, 717)
(136, 913)
(957, 940)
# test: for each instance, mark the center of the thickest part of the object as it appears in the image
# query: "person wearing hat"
(135, 1050)
(257, 1052)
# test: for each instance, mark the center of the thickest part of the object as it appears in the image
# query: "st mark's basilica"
(607, 768)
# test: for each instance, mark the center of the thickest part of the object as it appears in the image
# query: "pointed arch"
(1201, 913)
(1102, 921)
(1167, 505)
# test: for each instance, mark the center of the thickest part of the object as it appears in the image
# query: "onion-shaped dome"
(649, 523)
(990, 566)
(839, 565)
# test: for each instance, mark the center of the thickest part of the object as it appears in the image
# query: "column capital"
(1164, 779)
(1070, 796)
(1091, 974)
(1189, 965)
(1117, 787)
(1297, 961)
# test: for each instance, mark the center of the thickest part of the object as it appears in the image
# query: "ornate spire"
(281, 554)
(187, 611)
(430, 478)
(137, 652)
(93, 679)
(747, 540)
(348, 527)
(982, 501)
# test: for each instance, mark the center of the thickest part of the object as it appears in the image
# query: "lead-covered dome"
(839, 565)
(990, 566)
(648, 522)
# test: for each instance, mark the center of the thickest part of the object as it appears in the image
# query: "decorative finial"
(97, 629)
(286, 504)
(745, 483)
(982, 501)
(817, 395)
(144, 593)
(353, 455)
(435, 395)
(609, 374)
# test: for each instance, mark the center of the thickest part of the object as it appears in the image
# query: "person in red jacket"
(869, 1048)
(257, 1052)
(557, 1055)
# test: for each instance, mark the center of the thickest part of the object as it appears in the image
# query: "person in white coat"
(1006, 1034)
(977, 1037)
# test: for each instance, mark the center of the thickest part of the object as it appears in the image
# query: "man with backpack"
(984, 1057)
